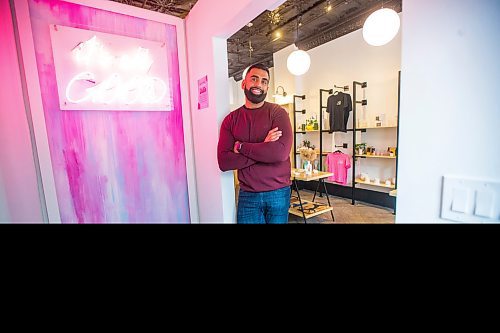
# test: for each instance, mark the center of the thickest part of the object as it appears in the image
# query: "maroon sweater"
(262, 166)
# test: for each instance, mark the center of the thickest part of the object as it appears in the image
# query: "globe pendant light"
(298, 62)
(381, 27)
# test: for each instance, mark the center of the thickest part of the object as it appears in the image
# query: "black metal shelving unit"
(321, 108)
(329, 131)
(295, 111)
(363, 194)
(353, 130)
(365, 102)
(355, 102)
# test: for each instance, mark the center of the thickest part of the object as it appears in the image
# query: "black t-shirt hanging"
(339, 106)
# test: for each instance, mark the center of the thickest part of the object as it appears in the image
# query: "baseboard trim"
(363, 195)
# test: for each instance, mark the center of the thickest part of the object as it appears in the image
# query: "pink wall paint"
(208, 20)
(17, 168)
(112, 166)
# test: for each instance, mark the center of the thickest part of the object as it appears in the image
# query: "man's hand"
(236, 147)
(273, 135)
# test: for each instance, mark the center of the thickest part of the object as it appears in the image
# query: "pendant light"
(298, 61)
(381, 27)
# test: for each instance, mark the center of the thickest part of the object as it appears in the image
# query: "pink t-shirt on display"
(338, 164)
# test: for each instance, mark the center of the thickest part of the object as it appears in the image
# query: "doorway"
(341, 63)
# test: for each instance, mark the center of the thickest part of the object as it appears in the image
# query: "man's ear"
(243, 84)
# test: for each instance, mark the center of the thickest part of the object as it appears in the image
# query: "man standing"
(256, 139)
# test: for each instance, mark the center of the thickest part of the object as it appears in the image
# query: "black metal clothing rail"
(345, 88)
(321, 131)
(329, 131)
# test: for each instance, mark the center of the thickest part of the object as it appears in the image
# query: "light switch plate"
(461, 200)
(485, 204)
(470, 200)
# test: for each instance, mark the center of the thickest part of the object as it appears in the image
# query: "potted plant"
(307, 143)
(360, 149)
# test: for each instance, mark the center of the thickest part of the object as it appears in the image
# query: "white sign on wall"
(101, 71)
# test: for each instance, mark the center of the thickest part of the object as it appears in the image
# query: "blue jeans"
(264, 207)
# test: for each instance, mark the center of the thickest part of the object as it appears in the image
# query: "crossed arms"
(275, 148)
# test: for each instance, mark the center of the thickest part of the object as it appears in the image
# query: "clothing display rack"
(321, 108)
(329, 131)
(295, 111)
(363, 194)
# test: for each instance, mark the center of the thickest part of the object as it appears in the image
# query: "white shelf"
(310, 208)
(335, 183)
(359, 181)
(305, 132)
(377, 156)
(381, 127)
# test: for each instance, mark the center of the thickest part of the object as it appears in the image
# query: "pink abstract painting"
(112, 166)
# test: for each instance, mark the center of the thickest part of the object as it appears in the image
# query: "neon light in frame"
(109, 72)
(147, 90)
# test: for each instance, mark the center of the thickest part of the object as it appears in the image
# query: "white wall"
(208, 25)
(236, 94)
(340, 62)
(450, 116)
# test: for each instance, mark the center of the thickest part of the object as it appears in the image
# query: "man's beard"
(255, 99)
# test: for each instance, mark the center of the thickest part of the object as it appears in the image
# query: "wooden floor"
(346, 213)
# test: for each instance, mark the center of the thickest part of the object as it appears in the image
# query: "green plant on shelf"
(307, 144)
(360, 149)
(311, 124)
(314, 122)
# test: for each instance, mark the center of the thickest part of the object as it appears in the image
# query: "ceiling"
(257, 41)
(318, 25)
(179, 8)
